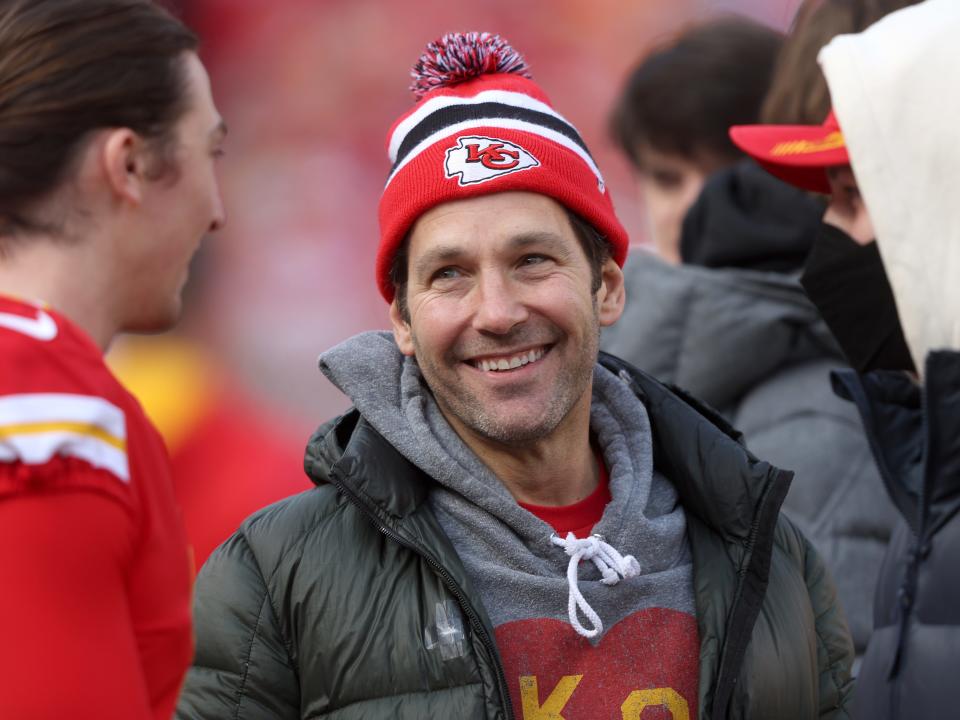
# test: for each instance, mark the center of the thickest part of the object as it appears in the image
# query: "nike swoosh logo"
(43, 327)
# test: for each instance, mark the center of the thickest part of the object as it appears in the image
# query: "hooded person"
(732, 326)
(504, 526)
(887, 154)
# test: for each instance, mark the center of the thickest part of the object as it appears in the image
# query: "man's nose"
(500, 306)
(219, 212)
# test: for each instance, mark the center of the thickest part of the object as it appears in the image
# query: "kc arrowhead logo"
(476, 159)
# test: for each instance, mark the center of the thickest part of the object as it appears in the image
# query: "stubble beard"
(458, 402)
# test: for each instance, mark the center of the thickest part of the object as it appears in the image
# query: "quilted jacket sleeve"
(795, 421)
(834, 646)
(242, 669)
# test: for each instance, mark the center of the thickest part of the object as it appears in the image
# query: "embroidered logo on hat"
(832, 141)
(477, 116)
(476, 159)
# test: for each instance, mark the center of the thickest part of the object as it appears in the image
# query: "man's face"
(503, 323)
(180, 207)
(846, 209)
(668, 184)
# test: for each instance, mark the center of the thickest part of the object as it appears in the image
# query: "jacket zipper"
(450, 583)
(727, 674)
(906, 593)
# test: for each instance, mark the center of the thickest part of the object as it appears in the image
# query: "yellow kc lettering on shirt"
(632, 708)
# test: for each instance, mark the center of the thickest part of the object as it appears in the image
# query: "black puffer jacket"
(322, 605)
(911, 666)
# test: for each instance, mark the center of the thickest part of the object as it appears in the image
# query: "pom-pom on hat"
(481, 125)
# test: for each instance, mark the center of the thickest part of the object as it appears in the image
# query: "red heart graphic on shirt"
(645, 668)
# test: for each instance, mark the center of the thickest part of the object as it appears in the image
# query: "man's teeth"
(510, 363)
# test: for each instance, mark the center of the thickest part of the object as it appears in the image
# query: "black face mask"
(847, 283)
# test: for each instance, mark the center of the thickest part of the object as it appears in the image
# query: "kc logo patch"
(476, 159)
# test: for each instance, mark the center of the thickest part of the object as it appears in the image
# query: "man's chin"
(149, 321)
(511, 430)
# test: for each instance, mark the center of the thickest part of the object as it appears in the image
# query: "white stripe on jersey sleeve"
(63, 407)
(36, 427)
(39, 448)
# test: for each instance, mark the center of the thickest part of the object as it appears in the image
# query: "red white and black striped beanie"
(481, 125)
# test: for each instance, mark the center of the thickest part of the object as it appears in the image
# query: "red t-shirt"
(94, 566)
(580, 517)
(645, 666)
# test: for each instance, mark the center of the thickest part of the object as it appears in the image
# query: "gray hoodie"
(508, 552)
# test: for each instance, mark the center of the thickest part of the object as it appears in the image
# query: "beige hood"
(896, 93)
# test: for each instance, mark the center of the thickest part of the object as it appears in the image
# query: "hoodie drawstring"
(611, 564)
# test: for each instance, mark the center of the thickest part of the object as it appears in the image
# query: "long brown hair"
(798, 92)
(68, 67)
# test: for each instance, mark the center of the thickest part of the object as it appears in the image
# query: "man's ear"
(124, 158)
(401, 330)
(612, 295)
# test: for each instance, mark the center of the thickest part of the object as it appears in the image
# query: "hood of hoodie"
(746, 218)
(897, 110)
(716, 333)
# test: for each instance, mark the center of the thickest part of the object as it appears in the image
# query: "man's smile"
(512, 361)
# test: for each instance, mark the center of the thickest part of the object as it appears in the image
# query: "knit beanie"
(480, 126)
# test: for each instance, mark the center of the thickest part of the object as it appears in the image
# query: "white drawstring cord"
(611, 564)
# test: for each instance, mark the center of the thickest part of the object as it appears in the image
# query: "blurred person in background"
(108, 143)
(672, 116)
(231, 451)
(733, 326)
(889, 158)
(435, 570)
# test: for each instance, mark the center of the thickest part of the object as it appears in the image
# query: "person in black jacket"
(505, 527)
(893, 305)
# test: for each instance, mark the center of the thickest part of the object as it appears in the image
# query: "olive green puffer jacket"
(327, 604)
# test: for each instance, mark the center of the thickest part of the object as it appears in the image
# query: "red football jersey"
(94, 564)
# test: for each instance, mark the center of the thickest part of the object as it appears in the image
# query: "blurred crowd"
(784, 171)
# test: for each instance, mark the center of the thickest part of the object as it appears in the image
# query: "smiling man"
(504, 527)
(500, 313)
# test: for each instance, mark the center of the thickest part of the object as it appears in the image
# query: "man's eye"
(529, 260)
(447, 273)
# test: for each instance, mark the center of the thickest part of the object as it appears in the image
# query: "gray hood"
(715, 332)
